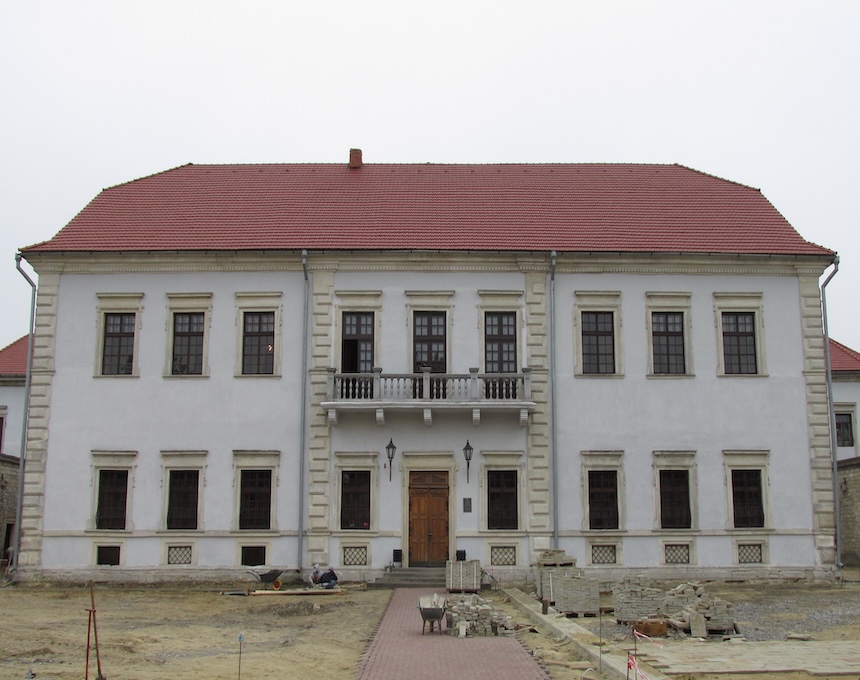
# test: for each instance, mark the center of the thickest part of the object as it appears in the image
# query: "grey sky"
(99, 93)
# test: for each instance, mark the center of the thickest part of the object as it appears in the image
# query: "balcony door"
(429, 349)
(428, 518)
(357, 355)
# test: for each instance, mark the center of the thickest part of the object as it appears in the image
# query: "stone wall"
(849, 510)
(8, 495)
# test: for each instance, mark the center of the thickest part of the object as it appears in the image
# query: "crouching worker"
(326, 579)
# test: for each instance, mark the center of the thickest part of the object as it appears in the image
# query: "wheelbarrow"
(273, 577)
(432, 608)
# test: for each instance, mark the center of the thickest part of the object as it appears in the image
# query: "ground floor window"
(255, 499)
(747, 499)
(502, 506)
(355, 499)
(253, 555)
(602, 499)
(182, 499)
(112, 499)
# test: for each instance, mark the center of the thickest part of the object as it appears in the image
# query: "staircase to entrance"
(411, 577)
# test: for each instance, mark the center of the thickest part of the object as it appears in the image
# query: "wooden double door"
(428, 518)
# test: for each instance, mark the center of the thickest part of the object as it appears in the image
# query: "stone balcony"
(426, 392)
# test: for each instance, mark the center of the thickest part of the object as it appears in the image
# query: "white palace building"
(367, 365)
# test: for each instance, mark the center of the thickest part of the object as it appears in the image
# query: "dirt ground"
(183, 632)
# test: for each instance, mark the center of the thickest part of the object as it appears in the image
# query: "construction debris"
(473, 616)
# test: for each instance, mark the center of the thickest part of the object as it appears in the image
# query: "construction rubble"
(472, 616)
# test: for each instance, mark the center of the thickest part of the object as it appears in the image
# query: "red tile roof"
(843, 358)
(13, 358)
(509, 207)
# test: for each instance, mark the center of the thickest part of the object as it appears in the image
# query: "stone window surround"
(112, 460)
(664, 301)
(118, 303)
(254, 460)
(259, 302)
(356, 301)
(747, 460)
(184, 303)
(365, 461)
(675, 460)
(503, 460)
(602, 461)
(598, 301)
(741, 302)
(182, 460)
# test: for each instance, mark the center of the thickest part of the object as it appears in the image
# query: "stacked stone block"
(636, 599)
(553, 564)
(688, 601)
(463, 576)
(473, 616)
(577, 595)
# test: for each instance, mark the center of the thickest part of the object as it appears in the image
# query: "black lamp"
(467, 451)
(390, 450)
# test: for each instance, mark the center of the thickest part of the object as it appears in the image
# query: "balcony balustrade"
(427, 391)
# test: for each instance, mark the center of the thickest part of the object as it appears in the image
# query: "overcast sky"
(94, 94)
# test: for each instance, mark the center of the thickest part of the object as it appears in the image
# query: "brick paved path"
(398, 650)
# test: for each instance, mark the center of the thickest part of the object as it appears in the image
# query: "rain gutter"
(19, 505)
(552, 381)
(302, 426)
(832, 414)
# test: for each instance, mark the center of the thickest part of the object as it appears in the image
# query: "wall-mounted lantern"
(467, 451)
(390, 450)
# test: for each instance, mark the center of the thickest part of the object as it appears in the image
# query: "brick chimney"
(355, 158)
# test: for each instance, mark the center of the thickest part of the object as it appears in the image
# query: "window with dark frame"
(188, 343)
(183, 487)
(598, 343)
(502, 507)
(253, 555)
(429, 345)
(357, 354)
(500, 353)
(667, 339)
(258, 343)
(118, 349)
(844, 429)
(675, 499)
(739, 351)
(747, 503)
(112, 499)
(107, 555)
(355, 499)
(255, 499)
(602, 499)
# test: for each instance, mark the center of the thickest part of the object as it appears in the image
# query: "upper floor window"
(598, 342)
(668, 341)
(119, 322)
(357, 342)
(740, 326)
(188, 343)
(739, 355)
(668, 322)
(258, 343)
(844, 429)
(598, 316)
(118, 353)
(188, 319)
(500, 342)
(259, 324)
(430, 341)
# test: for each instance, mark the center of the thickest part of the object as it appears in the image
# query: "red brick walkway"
(398, 650)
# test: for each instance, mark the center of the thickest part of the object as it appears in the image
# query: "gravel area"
(768, 611)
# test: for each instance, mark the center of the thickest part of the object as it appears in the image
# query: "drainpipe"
(302, 427)
(19, 507)
(832, 415)
(552, 381)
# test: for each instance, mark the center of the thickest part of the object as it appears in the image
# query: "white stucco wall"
(12, 399)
